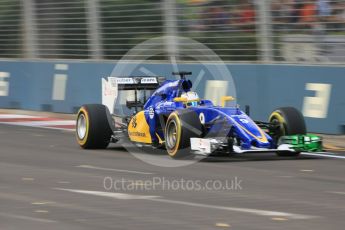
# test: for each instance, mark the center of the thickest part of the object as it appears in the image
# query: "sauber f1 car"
(175, 118)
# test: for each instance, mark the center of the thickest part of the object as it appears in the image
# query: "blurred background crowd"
(289, 14)
(311, 31)
(312, 14)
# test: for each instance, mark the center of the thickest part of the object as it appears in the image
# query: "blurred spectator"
(282, 13)
(338, 16)
(308, 14)
(276, 11)
(295, 12)
(323, 12)
(247, 16)
(220, 17)
(215, 18)
(287, 9)
(323, 8)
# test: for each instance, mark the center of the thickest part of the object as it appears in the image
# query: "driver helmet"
(192, 98)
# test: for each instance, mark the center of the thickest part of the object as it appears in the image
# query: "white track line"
(338, 193)
(20, 217)
(257, 212)
(323, 155)
(120, 196)
(114, 170)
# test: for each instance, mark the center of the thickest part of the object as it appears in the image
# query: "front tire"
(180, 127)
(289, 121)
(93, 130)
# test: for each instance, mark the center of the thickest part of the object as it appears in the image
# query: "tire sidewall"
(188, 126)
(174, 117)
(98, 126)
(292, 122)
(290, 119)
(83, 142)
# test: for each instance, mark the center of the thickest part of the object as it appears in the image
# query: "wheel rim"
(281, 127)
(81, 126)
(171, 135)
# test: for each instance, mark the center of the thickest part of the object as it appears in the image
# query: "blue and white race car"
(175, 118)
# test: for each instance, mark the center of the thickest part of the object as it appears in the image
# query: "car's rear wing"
(112, 85)
(139, 82)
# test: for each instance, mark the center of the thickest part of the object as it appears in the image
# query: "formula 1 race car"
(175, 118)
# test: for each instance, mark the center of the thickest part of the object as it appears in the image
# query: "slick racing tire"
(93, 130)
(290, 122)
(180, 127)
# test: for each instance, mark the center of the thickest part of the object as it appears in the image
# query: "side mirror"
(180, 99)
(224, 99)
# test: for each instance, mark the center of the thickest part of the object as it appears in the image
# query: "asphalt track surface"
(48, 182)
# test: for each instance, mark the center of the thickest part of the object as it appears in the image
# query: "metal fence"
(289, 31)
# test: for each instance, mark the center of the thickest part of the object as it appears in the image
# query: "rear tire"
(291, 122)
(180, 127)
(93, 128)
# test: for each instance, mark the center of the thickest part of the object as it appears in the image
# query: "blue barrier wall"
(263, 87)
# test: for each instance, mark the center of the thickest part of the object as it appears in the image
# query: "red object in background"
(247, 15)
(37, 121)
(308, 12)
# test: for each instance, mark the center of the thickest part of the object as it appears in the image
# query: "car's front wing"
(295, 143)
